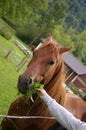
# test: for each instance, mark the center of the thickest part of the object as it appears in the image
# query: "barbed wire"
(26, 117)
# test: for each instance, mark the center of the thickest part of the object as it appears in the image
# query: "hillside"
(22, 12)
(76, 15)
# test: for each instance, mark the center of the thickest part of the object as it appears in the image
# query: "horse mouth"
(24, 85)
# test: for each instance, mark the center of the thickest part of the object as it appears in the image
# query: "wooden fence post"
(23, 61)
(9, 52)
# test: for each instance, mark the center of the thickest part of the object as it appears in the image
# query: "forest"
(33, 20)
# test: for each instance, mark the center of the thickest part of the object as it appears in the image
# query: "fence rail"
(26, 117)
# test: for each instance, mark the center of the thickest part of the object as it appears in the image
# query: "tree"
(43, 15)
(80, 46)
(63, 38)
(76, 15)
(17, 11)
(44, 18)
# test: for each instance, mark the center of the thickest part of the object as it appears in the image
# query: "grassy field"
(8, 73)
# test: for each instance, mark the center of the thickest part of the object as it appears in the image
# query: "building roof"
(74, 64)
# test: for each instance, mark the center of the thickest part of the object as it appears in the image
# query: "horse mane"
(56, 85)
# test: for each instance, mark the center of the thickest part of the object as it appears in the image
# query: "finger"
(38, 90)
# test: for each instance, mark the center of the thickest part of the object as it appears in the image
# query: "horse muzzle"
(24, 84)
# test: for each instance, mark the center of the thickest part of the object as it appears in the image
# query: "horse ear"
(32, 47)
(65, 49)
(50, 38)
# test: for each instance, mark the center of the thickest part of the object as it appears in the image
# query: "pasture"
(8, 73)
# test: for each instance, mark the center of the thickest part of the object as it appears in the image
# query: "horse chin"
(22, 90)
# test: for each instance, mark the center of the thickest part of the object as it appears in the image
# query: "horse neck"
(56, 83)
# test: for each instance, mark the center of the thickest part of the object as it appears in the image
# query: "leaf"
(31, 91)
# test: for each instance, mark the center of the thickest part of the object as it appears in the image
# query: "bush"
(29, 33)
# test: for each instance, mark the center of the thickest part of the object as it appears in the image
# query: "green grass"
(8, 84)
(8, 73)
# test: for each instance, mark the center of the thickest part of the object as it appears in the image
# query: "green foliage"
(43, 15)
(29, 32)
(70, 37)
(17, 11)
(32, 90)
(76, 15)
(6, 30)
(0, 128)
(63, 38)
(80, 46)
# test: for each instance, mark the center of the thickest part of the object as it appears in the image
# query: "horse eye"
(51, 62)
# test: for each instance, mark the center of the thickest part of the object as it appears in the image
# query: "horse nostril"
(30, 82)
(21, 80)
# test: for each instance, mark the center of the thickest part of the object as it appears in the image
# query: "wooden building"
(76, 71)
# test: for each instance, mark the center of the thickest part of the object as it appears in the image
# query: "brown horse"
(76, 105)
(46, 67)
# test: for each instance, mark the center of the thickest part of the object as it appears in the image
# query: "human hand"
(41, 92)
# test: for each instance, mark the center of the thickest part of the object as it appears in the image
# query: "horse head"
(44, 64)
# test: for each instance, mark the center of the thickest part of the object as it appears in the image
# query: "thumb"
(40, 92)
